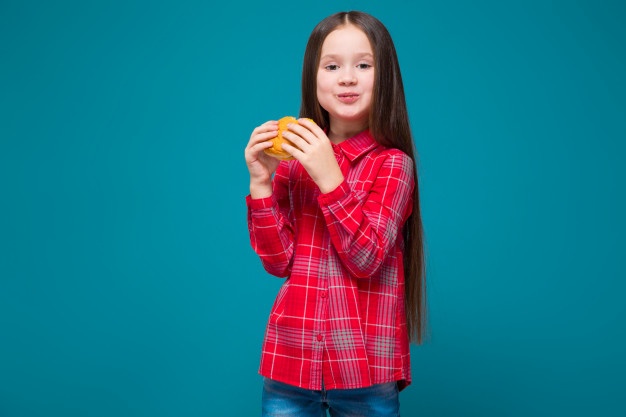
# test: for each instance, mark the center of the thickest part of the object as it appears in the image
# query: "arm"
(364, 227)
(271, 231)
(271, 235)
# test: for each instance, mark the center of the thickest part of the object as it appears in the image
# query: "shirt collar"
(357, 145)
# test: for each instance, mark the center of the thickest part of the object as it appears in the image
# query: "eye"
(364, 66)
(332, 67)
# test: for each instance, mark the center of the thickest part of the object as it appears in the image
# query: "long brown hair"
(389, 124)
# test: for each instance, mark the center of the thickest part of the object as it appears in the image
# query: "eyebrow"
(359, 54)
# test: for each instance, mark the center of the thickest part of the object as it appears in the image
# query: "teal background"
(127, 282)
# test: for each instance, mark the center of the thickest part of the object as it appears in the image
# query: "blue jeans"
(283, 400)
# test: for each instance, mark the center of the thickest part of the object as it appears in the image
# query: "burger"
(277, 143)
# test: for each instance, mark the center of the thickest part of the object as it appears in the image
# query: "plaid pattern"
(339, 315)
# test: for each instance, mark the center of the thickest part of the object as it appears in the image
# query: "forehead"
(346, 39)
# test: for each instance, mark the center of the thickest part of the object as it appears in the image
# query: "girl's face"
(345, 76)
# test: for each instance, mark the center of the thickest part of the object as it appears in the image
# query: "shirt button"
(324, 294)
(320, 337)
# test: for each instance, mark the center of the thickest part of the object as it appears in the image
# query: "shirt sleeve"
(364, 226)
(271, 231)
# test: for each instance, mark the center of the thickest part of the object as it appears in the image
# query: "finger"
(293, 151)
(301, 131)
(297, 140)
(256, 153)
(259, 147)
(265, 127)
(312, 133)
(312, 126)
(262, 137)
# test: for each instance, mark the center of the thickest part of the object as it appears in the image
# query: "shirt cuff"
(335, 195)
(259, 203)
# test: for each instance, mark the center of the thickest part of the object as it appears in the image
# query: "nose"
(347, 77)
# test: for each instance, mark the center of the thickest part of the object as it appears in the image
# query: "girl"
(342, 223)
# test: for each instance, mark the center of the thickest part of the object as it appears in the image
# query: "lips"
(347, 97)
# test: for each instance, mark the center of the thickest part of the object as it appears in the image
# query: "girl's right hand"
(261, 165)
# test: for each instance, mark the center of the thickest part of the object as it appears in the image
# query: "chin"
(350, 117)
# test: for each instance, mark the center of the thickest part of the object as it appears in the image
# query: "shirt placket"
(319, 333)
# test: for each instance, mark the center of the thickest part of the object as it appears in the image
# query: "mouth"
(348, 97)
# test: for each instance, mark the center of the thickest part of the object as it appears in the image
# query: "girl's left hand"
(315, 154)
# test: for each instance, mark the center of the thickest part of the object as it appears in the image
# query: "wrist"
(260, 189)
(330, 184)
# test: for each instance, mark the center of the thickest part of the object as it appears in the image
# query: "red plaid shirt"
(339, 316)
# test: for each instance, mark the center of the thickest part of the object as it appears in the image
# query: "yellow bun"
(277, 143)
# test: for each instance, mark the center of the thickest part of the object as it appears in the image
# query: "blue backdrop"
(127, 282)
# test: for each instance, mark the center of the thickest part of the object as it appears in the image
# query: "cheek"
(370, 83)
(322, 84)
